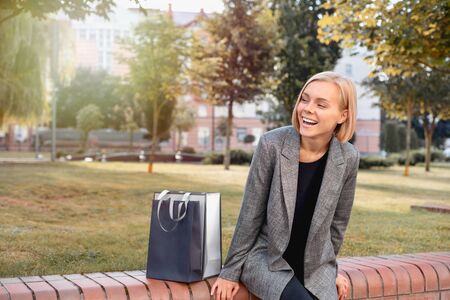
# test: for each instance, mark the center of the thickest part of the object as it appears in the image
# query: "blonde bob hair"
(344, 131)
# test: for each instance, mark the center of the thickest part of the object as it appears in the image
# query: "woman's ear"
(344, 115)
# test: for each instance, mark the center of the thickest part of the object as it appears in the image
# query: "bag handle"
(161, 198)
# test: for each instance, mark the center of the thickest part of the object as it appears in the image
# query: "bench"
(406, 276)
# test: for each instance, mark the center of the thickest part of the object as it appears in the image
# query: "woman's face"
(319, 110)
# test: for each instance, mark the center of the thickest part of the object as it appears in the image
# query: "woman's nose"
(309, 107)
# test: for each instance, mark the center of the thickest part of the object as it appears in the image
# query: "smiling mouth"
(309, 122)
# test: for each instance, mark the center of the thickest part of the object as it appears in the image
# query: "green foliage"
(301, 54)
(403, 37)
(395, 137)
(375, 161)
(237, 157)
(22, 61)
(157, 53)
(88, 119)
(75, 9)
(418, 156)
(390, 137)
(88, 87)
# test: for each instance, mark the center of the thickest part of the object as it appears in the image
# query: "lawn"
(87, 217)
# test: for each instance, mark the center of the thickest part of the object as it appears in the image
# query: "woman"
(297, 201)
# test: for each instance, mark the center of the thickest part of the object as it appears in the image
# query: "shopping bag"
(185, 236)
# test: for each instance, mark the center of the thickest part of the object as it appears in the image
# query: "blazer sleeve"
(343, 209)
(252, 213)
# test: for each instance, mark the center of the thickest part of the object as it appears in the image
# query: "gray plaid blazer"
(264, 224)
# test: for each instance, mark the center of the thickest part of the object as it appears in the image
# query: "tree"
(391, 137)
(403, 38)
(88, 87)
(276, 116)
(301, 54)
(238, 59)
(88, 119)
(399, 99)
(22, 61)
(75, 9)
(434, 92)
(129, 112)
(157, 53)
(184, 120)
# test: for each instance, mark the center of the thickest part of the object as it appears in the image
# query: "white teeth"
(309, 121)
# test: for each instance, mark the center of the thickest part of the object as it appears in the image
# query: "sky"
(179, 5)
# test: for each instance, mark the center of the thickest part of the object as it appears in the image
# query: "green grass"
(87, 217)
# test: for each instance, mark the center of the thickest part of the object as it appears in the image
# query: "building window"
(92, 35)
(348, 70)
(203, 137)
(83, 34)
(241, 132)
(202, 111)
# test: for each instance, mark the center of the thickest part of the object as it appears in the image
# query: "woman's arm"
(343, 208)
(252, 213)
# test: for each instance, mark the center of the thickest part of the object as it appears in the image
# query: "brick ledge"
(406, 276)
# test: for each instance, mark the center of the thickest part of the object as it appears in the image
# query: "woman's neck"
(312, 149)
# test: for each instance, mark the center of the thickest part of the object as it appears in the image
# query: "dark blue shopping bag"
(175, 250)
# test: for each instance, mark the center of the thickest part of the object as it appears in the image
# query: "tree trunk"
(151, 158)
(408, 136)
(130, 140)
(226, 158)
(84, 141)
(36, 142)
(2, 117)
(428, 133)
(213, 129)
(179, 140)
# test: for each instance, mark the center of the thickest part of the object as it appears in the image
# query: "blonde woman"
(297, 201)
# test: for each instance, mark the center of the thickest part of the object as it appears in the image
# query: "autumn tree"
(403, 38)
(237, 59)
(157, 53)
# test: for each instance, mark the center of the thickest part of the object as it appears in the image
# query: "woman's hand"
(342, 286)
(224, 289)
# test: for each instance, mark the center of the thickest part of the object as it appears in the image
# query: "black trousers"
(295, 290)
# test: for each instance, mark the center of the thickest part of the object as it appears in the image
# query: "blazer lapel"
(331, 181)
(289, 172)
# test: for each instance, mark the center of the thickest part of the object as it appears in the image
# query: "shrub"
(213, 159)
(188, 149)
(418, 156)
(240, 157)
(237, 157)
(375, 161)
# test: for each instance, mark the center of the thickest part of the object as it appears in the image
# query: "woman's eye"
(322, 106)
(303, 100)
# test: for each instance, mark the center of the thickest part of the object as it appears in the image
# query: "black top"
(308, 186)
